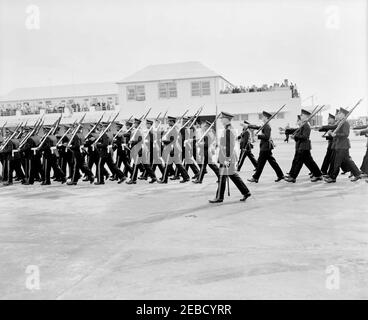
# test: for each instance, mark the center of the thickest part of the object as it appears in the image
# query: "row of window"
(245, 116)
(168, 90)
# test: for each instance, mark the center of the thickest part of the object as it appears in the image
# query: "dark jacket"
(341, 140)
(265, 137)
(302, 138)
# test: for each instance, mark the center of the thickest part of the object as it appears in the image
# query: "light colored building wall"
(175, 106)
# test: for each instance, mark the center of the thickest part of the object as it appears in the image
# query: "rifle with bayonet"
(269, 120)
(95, 126)
(311, 116)
(104, 131)
(75, 131)
(9, 138)
(341, 122)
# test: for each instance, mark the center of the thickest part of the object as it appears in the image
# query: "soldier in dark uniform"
(303, 154)
(12, 161)
(123, 154)
(152, 150)
(79, 163)
(93, 155)
(65, 160)
(327, 160)
(48, 150)
(245, 147)
(32, 159)
(206, 149)
(172, 152)
(227, 159)
(265, 153)
(105, 157)
(140, 155)
(342, 145)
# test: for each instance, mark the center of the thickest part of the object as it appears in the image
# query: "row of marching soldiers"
(174, 146)
(131, 150)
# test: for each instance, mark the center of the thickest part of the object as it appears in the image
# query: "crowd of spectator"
(265, 87)
(27, 108)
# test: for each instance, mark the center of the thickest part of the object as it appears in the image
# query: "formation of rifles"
(172, 145)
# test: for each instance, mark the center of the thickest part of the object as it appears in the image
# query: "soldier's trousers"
(364, 166)
(93, 159)
(50, 162)
(265, 156)
(79, 164)
(304, 157)
(203, 167)
(342, 158)
(10, 165)
(193, 167)
(111, 165)
(234, 177)
(344, 166)
(147, 171)
(66, 161)
(243, 154)
(181, 171)
(123, 158)
(327, 161)
(31, 169)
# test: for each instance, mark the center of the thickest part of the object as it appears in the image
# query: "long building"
(174, 87)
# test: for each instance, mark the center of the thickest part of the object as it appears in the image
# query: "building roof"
(61, 91)
(171, 71)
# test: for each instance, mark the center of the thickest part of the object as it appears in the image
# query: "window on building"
(136, 93)
(201, 88)
(167, 90)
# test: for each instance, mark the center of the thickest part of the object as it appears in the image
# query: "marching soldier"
(245, 147)
(50, 159)
(206, 149)
(139, 156)
(342, 145)
(105, 157)
(171, 152)
(227, 159)
(303, 153)
(79, 163)
(327, 160)
(265, 153)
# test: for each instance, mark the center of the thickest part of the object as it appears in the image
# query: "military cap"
(226, 115)
(169, 118)
(128, 123)
(331, 116)
(149, 121)
(136, 120)
(305, 112)
(344, 111)
(119, 125)
(266, 114)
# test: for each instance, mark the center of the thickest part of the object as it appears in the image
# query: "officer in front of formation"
(227, 160)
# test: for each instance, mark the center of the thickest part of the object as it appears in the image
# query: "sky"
(319, 45)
